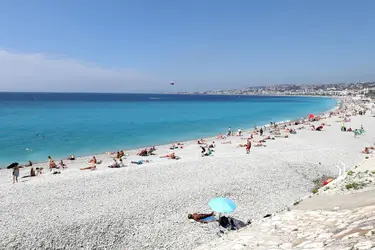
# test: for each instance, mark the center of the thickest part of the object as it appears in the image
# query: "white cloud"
(41, 72)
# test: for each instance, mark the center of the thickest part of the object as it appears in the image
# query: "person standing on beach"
(16, 173)
(229, 131)
(248, 147)
(261, 131)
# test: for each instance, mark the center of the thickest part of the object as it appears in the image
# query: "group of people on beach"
(275, 130)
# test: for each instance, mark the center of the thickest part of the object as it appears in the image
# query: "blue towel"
(209, 219)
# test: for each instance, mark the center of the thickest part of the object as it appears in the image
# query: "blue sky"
(131, 46)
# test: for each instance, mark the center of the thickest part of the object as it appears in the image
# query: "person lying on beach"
(232, 223)
(143, 152)
(93, 167)
(208, 153)
(268, 138)
(367, 150)
(212, 145)
(317, 129)
(199, 217)
(260, 145)
(29, 164)
(140, 162)
(93, 160)
(151, 151)
(226, 142)
(241, 145)
(72, 157)
(201, 141)
(220, 136)
(171, 156)
(282, 136)
(116, 164)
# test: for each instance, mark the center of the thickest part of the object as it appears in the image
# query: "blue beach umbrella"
(222, 205)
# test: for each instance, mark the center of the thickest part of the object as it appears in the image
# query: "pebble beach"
(146, 206)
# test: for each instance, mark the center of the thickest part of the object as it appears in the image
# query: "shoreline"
(146, 206)
(336, 106)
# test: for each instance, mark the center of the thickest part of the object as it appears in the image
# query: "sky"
(140, 46)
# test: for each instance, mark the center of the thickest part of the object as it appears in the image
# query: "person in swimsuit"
(93, 160)
(16, 173)
(32, 172)
(248, 147)
(52, 163)
(72, 157)
(199, 217)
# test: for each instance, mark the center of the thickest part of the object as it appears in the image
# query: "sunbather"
(199, 217)
(208, 153)
(367, 150)
(226, 142)
(93, 160)
(72, 157)
(201, 141)
(140, 162)
(52, 163)
(171, 156)
(248, 147)
(231, 223)
(93, 167)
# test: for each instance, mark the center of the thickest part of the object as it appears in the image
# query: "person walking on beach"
(248, 147)
(16, 173)
(261, 131)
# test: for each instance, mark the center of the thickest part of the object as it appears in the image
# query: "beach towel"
(209, 219)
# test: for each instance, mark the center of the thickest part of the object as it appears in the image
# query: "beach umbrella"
(311, 116)
(14, 164)
(222, 205)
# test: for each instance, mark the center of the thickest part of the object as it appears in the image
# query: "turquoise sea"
(35, 125)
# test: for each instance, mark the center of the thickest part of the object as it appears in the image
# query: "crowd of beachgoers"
(156, 197)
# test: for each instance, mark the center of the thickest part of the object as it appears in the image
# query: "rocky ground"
(305, 229)
(341, 215)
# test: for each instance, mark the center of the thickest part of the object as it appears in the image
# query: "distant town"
(340, 89)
